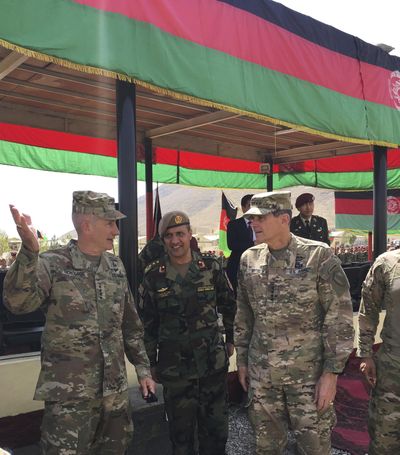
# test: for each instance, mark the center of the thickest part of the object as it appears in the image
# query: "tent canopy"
(240, 79)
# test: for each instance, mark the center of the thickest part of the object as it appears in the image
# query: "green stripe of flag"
(366, 222)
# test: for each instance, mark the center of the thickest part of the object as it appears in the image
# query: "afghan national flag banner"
(43, 149)
(351, 172)
(256, 58)
(228, 213)
(354, 210)
(38, 148)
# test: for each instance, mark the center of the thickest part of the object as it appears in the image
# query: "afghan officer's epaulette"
(158, 263)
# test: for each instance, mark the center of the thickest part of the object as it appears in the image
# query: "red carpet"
(351, 404)
(21, 430)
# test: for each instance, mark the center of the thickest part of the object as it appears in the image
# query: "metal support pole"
(148, 154)
(380, 200)
(127, 178)
(270, 177)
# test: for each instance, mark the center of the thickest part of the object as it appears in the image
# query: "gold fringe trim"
(183, 97)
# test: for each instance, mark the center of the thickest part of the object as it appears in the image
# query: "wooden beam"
(195, 122)
(9, 63)
(109, 86)
(304, 150)
(80, 107)
(317, 154)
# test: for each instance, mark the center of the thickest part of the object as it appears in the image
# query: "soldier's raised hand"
(25, 229)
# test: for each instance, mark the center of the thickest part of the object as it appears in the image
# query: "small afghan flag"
(40, 235)
(354, 210)
(228, 213)
(156, 215)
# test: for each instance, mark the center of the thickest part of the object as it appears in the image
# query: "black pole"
(148, 163)
(127, 178)
(270, 177)
(380, 203)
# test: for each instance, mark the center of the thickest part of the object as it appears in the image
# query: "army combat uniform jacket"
(381, 290)
(90, 321)
(294, 318)
(318, 229)
(182, 336)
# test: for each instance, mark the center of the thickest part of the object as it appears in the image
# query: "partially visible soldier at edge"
(306, 224)
(90, 322)
(381, 290)
(293, 331)
(183, 291)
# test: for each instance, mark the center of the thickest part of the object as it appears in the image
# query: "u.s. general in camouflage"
(381, 290)
(294, 316)
(294, 322)
(90, 321)
(181, 318)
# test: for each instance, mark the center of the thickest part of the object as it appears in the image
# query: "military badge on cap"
(172, 219)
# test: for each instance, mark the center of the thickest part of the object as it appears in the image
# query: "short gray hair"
(79, 218)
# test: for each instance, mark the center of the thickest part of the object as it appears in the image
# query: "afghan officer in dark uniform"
(307, 225)
(183, 294)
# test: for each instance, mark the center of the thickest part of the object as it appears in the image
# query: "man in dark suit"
(240, 236)
(307, 225)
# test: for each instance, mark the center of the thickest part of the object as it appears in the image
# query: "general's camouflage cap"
(172, 219)
(99, 204)
(264, 203)
(304, 199)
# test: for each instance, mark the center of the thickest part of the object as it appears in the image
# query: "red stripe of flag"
(360, 162)
(354, 206)
(192, 160)
(56, 140)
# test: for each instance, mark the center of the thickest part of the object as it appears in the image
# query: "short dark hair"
(245, 199)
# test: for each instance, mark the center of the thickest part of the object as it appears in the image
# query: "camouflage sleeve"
(151, 324)
(244, 320)
(226, 303)
(373, 291)
(337, 328)
(27, 284)
(132, 330)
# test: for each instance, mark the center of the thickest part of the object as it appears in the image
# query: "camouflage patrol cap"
(264, 203)
(99, 204)
(172, 219)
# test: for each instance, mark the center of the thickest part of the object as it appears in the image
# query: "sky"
(47, 196)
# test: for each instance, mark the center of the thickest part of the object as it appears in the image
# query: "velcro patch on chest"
(205, 288)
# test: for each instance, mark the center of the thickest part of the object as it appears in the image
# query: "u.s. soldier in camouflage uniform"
(182, 293)
(90, 323)
(293, 331)
(381, 290)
